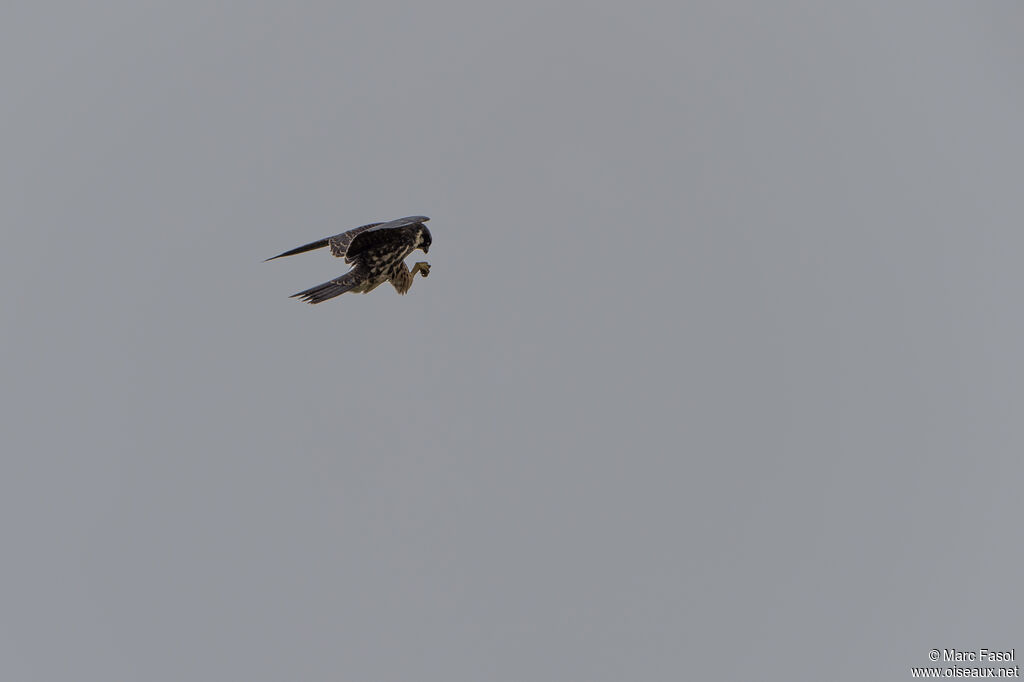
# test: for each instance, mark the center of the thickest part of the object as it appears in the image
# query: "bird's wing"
(379, 234)
(336, 287)
(338, 243)
(301, 249)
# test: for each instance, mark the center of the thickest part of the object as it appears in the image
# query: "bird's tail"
(302, 249)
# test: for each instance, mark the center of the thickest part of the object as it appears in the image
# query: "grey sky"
(717, 374)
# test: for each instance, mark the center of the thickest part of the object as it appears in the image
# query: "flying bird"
(377, 253)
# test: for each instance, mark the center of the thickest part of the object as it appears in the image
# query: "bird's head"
(424, 238)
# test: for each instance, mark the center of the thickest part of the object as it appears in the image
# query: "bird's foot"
(423, 268)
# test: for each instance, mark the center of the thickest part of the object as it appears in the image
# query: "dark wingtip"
(322, 292)
(320, 243)
(304, 297)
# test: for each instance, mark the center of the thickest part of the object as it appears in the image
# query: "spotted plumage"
(377, 253)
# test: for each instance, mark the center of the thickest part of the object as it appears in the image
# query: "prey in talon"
(377, 253)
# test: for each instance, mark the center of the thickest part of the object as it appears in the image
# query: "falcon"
(377, 253)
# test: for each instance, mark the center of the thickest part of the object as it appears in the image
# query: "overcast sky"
(717, 374)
